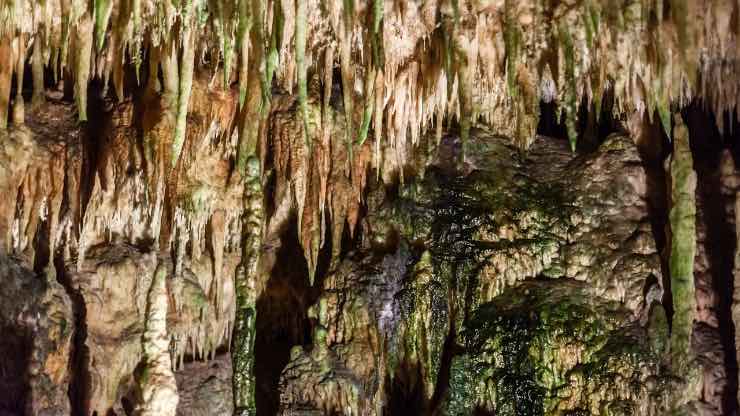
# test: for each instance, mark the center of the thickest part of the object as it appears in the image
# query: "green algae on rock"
(549, 348)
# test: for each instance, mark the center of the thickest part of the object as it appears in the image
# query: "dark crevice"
(15, 344)
(93, 142)
(406, 393)
(41, 246)
(282, 316)
(592, 128)
(720, 240)
(654, 146)
(79, 385)
(549, 125)
(449, 351)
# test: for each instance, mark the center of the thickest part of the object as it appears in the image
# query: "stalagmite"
(247, 284)
(157, 381)
(683, 245)
(424, 325)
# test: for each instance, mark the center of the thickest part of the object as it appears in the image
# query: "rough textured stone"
(205, 388)
(551, 251)
(37, 325)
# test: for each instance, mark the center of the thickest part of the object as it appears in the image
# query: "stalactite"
(170, 75)
(272, 51)
(19, 112)
(136, 42)
(224, 22)
(369, 107)
(512, 39)
(301, 64)
(187, 65)
(347, 74)
(376, 64)
(103, 10)
(265, 54)
(37, 71)
(6, 76)
(242, 45)
(465, 98)
(65, 9)
(571, 95)
(157, 380)
(683, 246)
(247, 285)
(83, 53)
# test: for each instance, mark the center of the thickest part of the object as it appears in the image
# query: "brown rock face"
(37, 324)
(205, 388)
(386, 323)
(85, 207)
(258, 207)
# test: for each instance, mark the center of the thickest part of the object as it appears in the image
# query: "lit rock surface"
(541, 269)
(356, 209)
(205, 388)
(157, 380)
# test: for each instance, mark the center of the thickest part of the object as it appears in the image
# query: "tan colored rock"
(157, 382)
(205, 388)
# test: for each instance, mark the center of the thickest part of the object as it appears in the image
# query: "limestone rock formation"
(522, 258)
(38, 324)
(216, 207)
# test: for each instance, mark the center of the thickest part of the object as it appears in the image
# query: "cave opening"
(78, 389)
(14, 386)
(594, 124)
(714, 211)
(282, 315)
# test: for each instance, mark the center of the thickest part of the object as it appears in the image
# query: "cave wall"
(324, 207)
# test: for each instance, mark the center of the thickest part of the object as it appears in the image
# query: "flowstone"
(531, 285)
(547, 347)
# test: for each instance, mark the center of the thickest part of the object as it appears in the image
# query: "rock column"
(157, 381)
(683, 245)
(242, 353)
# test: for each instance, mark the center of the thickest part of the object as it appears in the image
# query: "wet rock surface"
(515, 282)
(523, 283)
(496, 280)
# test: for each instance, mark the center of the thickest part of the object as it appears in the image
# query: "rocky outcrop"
(542, 348)
(37, 324)
(538, 247)
(205, 388)
(344, 370)
(182, 179)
